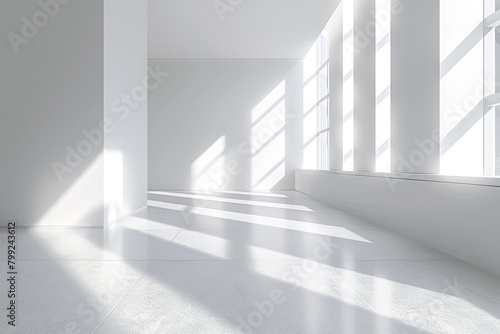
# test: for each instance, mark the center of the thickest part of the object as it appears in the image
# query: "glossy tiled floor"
(244, 263)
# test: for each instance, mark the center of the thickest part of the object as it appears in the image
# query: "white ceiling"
(253, 29)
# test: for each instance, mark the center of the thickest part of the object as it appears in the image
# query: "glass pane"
(322, 146)
(322, 83)
(383, 87)
(348, 92)
(310, 94)
(461, 88)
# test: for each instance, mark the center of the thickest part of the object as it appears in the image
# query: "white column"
(415, 74)
(364, 85)
(125, 105)
(293, 124)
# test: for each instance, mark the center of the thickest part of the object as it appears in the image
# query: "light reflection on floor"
(177, 269)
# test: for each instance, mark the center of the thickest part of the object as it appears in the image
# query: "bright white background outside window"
(348, 134)
(383, 86)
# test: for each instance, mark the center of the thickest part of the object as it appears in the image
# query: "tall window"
(316, 94)
(469, 87)
(348, 91)
(461, 87)
(468, 131)
(383, 86)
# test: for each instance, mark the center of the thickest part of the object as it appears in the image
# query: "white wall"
(457, 218)
(125, 104)
(201, 134)
(50, 92)
(57, 83)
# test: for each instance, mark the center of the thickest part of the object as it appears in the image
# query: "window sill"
(488, 181)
